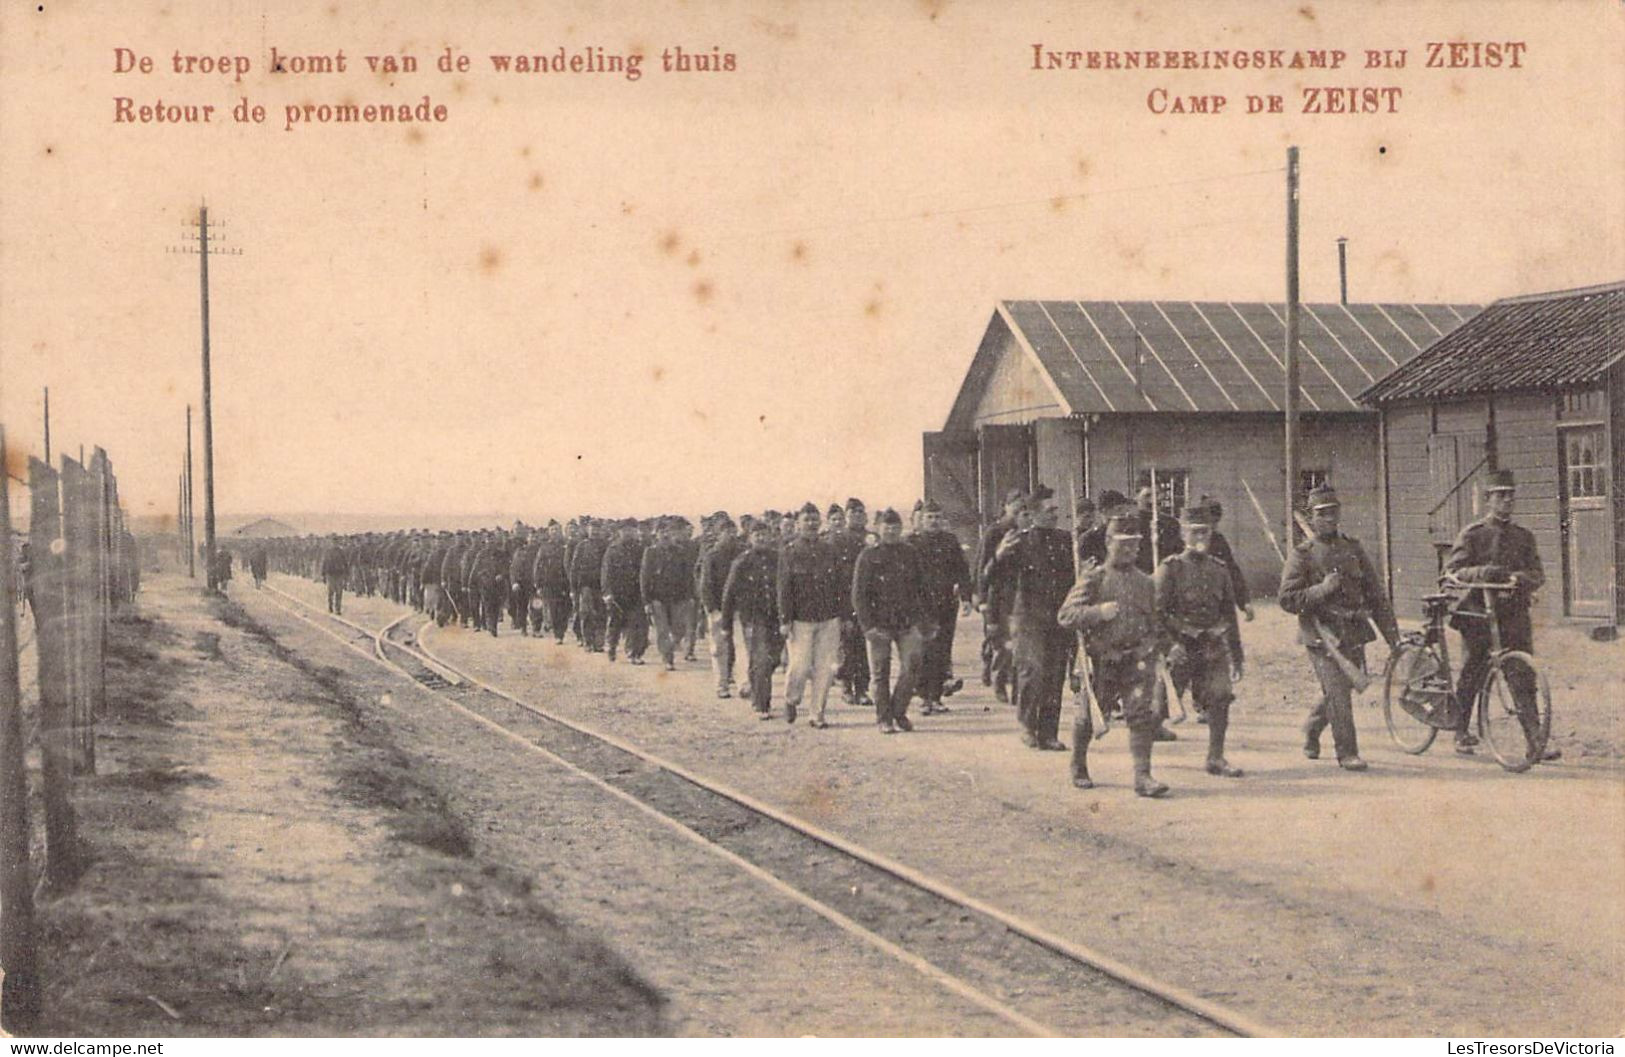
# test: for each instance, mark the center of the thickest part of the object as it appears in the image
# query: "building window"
(1581, 405)
(1173, 487)
(1585, 463)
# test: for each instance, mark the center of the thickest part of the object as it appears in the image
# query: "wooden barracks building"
(1535, 385)
(1090, 395)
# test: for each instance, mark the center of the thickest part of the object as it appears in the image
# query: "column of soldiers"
(1136, 608)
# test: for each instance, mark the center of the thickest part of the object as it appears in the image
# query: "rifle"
(1097, 715)
(1356, 676)
(1172, 691)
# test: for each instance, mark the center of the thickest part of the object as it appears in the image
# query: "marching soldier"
(666, 584)
(623, 599)
(1495, 550)
(586, 580)
(945, 594)
(1197, 607)
(521, 586)
(335, 570)
(1330, 584)
(1156, 525)
(551, 575)
(715, 563)
(1035, 567)
(886, 596)
(812, 598)
(750, 594)
(996, 663)
(1113, 609)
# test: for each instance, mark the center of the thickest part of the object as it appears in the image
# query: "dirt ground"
(1432, 895)
(264, 860)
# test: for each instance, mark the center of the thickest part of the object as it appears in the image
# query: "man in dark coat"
(1159, 531)
(812, 598)
(335, 570)
(551, 576)
(666, 584)
(521, 585)
(750, 594)
(623, 597)
(1332, 587)
(586, 580)
(1035, 568)
(996, 662)
(1495, 550)
(715, 562)
(946, 588)
(887, 596)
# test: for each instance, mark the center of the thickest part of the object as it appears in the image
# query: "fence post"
(48, 553)
(19, 993)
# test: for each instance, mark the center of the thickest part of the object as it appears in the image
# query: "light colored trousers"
(722, 648)
(674, 622)
(814, 653)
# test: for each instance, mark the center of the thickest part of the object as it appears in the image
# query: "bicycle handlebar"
(1468, 585)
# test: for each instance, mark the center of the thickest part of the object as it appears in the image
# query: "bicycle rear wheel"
(1414, 687)
(1516, 732)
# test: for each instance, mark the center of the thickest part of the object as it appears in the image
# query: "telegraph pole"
(191, 544)
(208, 404)
(1291, 403)
(47, 425)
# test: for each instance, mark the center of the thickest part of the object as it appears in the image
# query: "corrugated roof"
(1534, 342)
(1219, 356)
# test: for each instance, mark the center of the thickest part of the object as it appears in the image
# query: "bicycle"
(1419, 697)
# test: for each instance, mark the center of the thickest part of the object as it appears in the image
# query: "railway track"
(1041, 984)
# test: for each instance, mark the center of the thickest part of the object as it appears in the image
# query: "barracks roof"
(1536, 342)
(1204, 356)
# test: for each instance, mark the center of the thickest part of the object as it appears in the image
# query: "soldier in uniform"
(623, 597)
(887, 598)
(1156, 525)
(551, 575)
(335, 569)
(586, 580)
(666, 583)
(521, 583)
(1197, 607)
(1090, 532)
(750, 594)
(1035, 567)
(812, 598)
(715, 563)
(256, 564)
(1113, 609)
(996, 664)
(1330, 584)
(945, 585)
(854, 670)
(1495, 550)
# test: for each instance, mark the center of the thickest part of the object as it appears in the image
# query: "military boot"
(1139, 743)
(1218, 721)
(1082, 734)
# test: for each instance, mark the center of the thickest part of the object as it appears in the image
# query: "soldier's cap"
(835, 508)
(930, 506)
(1209, 504)
(552, 523)
(679, 522)
(855, 504)
(1043, 492)
(723, 522)
(764, 525)
(747, 519)
(1083, 505)
(919, 505)
(721, 515)
(1323, 497)
(1499, 481)
(808, 508)
(771, 515)
(888, 517)
(1198, 515)
(1124, 527)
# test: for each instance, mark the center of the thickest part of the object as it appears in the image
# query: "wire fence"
(61, 581)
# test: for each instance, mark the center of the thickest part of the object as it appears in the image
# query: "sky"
(733, 289)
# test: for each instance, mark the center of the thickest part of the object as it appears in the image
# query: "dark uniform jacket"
(1092, 546)
(1197, 605)
(1037, 572)
(715, 563)
(886, 587)
(549, 573)
(623, 563)
(1490, 551)
(587, 564)
(1344, 611)
(848, 545)
(751, 591)
(521, 567)
(335, 563)
(810, 584)
(944, 573)
(667, 573)
(1134, 631)
(984, 554)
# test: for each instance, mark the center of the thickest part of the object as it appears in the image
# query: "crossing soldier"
(1034, 567)
(1331, 586)
(1197, 606)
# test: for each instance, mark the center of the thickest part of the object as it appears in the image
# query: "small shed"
(1535, 385)
(1090, 395)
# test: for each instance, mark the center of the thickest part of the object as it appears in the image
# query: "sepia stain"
(16, 460)
(1307, 11)
(669, 242)
(693, 260)
(933, 8)
(798, 252)
(657, 372)
(704, 291)
(872, 307)
(524, 152)
(490, 259)
(1428, 883)
(1457, 88)
(535, 181)
(761, 420)
(628, 208)
(777, 30)
(459, 86)
(1094, 808)
(701, 415)
(49, 149)
(333, 10)
(1058, 203)
(414, 135)
(1084, 167)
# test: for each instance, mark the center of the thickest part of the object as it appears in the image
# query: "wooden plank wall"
(1526, 444)
(1060, 459)
(1616, 437)
(1016, 392)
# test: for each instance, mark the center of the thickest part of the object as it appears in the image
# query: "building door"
(1588, 546)
(1005, 462)
(950, 479)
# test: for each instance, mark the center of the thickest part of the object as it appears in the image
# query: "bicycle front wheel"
(1414, 686)
(1515, 710)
